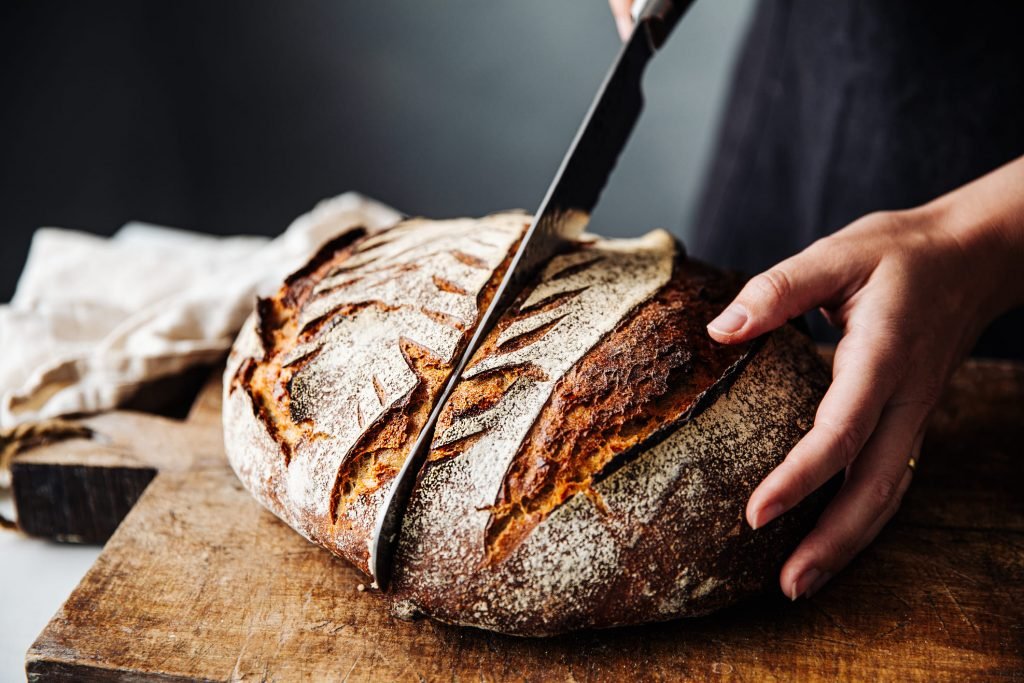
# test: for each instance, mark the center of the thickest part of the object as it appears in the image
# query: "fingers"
(623, 19)
(846, 417)
(874, 486)
(810, 582)
(812, 278)
(890, 511)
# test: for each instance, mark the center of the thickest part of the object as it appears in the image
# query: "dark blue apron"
(844, 107)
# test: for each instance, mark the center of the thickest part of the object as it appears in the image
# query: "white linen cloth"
(94, 318)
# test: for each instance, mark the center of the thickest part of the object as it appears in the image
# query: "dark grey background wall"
(234, 117)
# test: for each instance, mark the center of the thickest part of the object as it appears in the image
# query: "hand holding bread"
(911, 290)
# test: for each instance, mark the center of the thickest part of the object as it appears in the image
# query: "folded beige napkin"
(95, 318)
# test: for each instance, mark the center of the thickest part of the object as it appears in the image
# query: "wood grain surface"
(199, 582)
(79, 490)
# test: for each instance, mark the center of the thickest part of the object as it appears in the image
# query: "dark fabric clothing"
(846, 107)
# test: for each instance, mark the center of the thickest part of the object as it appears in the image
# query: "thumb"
(770, 299)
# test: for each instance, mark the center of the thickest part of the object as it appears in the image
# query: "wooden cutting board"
(199, 582)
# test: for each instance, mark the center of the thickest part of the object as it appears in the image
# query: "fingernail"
(803, 582)
(767, 514)
(730, 321)
(816, 586)
(625, 26)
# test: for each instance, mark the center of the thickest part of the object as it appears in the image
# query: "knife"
(561, 218)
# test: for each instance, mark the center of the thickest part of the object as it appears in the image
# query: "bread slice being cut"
(591, 467)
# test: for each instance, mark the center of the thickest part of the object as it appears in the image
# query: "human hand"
(911, 291)
(621, 11)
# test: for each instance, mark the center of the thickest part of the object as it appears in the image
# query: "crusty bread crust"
(666, 540)
(623, 502)
(592, 466)
(333, 377)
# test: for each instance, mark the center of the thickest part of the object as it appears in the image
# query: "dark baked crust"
(592, 466)
(656, 385)
(647, 376)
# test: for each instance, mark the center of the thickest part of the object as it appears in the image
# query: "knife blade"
(562, 216)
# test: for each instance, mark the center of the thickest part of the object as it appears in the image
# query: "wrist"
(985, 220)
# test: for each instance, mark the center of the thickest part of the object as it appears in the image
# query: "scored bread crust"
(621, 500)
(591, 467)
(332, 378)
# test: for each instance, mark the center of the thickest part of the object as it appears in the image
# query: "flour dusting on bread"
(590, 467)
(611, 283)
(351, 342)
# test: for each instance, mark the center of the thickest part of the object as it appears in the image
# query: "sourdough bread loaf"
(591, 467)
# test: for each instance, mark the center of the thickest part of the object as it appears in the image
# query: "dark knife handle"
(659, 17)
